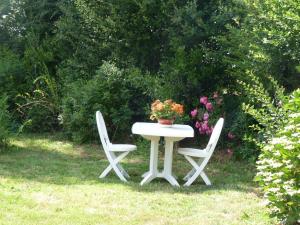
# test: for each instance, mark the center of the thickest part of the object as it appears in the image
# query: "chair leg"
(198, 168)
(115, 166)
(123, 171)
(193, 178)
(106, 171)
(119, 173)
(205, 178)
(109, 168)
(189, 174)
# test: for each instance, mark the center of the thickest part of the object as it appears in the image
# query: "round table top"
(155, 129)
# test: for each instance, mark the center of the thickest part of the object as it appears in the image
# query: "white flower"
(274, 189)
(276, 165)
(277, 181)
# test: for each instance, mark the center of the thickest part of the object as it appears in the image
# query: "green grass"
(46, 180)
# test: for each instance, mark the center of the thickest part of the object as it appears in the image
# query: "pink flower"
(203, 100)
(209, 106)
(201, 131)
(194, 112)
(205, 126)
(197, 125)
(210, 130)
(215, 95)
(205, 116)
(230, 135)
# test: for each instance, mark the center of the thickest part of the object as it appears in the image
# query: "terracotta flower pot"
(166, 121)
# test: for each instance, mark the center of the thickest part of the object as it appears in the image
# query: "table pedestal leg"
(153, 162)
(167, 172)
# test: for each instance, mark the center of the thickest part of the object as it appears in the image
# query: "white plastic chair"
(111, 150)
(203, 154)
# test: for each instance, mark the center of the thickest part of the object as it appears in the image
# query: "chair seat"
(193, 152)
(121, 147)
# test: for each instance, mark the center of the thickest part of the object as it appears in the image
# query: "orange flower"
(177, 108)
(154, 105)
(159, 106)
(168, 102)
(166, 109)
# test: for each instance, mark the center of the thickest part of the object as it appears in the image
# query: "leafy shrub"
(264, 41)
(237, 123)
(12, 78)
(4, 121)
(108, 92)
(279, 166)
(261, 110)
(264, 106)
(39, 109)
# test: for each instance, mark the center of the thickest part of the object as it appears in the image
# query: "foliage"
(80, 50)
(237, 123)
(166, 110)
(265, 106)
(108, 92)
(133, 32)
(279, 166)
(275, 25)
(4, 121)
(256, 45)
(175, 49)
(264, 42)
(29, 25)
(194, 66)
(12, 79)
(40, 108)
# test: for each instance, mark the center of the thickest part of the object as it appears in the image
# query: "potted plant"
(165, 112)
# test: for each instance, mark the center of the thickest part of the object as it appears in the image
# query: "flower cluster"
(166, 110)
(203, 112)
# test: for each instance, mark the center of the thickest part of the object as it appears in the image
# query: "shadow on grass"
(41, 164)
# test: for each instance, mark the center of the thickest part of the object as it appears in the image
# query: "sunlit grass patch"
(47, 180)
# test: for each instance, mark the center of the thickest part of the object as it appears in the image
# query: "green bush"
(39, 109)
(264, 105)
(279, 166)
(12, 77)
(4, 121)
(108, 92)
(237, 122)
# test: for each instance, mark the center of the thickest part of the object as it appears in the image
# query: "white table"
(153, 132)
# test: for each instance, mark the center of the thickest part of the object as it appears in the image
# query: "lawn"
(47, 180)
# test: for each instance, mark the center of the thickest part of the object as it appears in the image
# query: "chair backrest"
(102, 131)
(215, 136)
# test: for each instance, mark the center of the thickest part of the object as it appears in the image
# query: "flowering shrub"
(166, 110)
(205, 114)
(279, 167)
